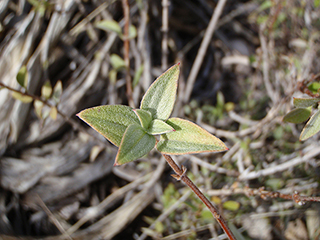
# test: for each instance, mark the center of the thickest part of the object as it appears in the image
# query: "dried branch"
(310, 152)
(203, 48)
(164, 44)
(126, 43)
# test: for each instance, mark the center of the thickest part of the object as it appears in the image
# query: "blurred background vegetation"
(57, 175)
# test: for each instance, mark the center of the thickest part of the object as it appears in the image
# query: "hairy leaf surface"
(111, 121)
(144, 116)
(312, 127)
(297, 115)
(188, 138)
(304, 102)
(159, 127)
(161, 95)
(135, 144)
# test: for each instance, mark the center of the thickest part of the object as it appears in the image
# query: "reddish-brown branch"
(181, 175)
(268, 195)
(126, 13)
(303, 85)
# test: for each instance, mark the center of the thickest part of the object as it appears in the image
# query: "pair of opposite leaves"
(134, 130)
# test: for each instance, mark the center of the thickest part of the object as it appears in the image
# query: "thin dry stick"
(265, 66)
(53, 218)
(310, 152)
(268, 195)
(203, 48)
(126, 12)
(164, 44)
(181, 175)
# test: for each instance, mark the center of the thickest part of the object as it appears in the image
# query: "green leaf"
(22, 77)
(231, 205)
(137, 76)
(38, 106)
(45, 112)
(305, 102)
(21, 97)
(159, 127)
(135, 144)
(53, 113)
(46, 90)
(110, 121)
(57, 92)
(144, 117)
(314, 87)
(297, 115)
(206, 215)
(113, 76)
(265, 5)
(188, 138)
(159, 227)
(117, 62)
(132, 32)
(161, 95)
(109, 25)
(311, 128)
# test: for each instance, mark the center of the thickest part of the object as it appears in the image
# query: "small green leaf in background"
(316, 3)
(22, 77)
(132, 32)
(231, 205)
(57, 92)
(275, 183)
(206, 215)
(297, 115)
(109, 25)
(111, 121)
(311, 128)
(135, 144)
(38, 106)
(46, 90)
(21, 97)
(159, 127)
(265, 5)
(304, 102)
(159, 227)
(137, 76)
(188, 138)
(113, 76)
(53, 113)
(45, 112)
(117, 62)
(144, 116)
(161, 95)
(314, 87)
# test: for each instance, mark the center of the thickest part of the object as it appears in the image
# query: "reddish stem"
(126, 13)
(181, 175)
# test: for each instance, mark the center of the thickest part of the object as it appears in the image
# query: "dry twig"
(203, 48)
